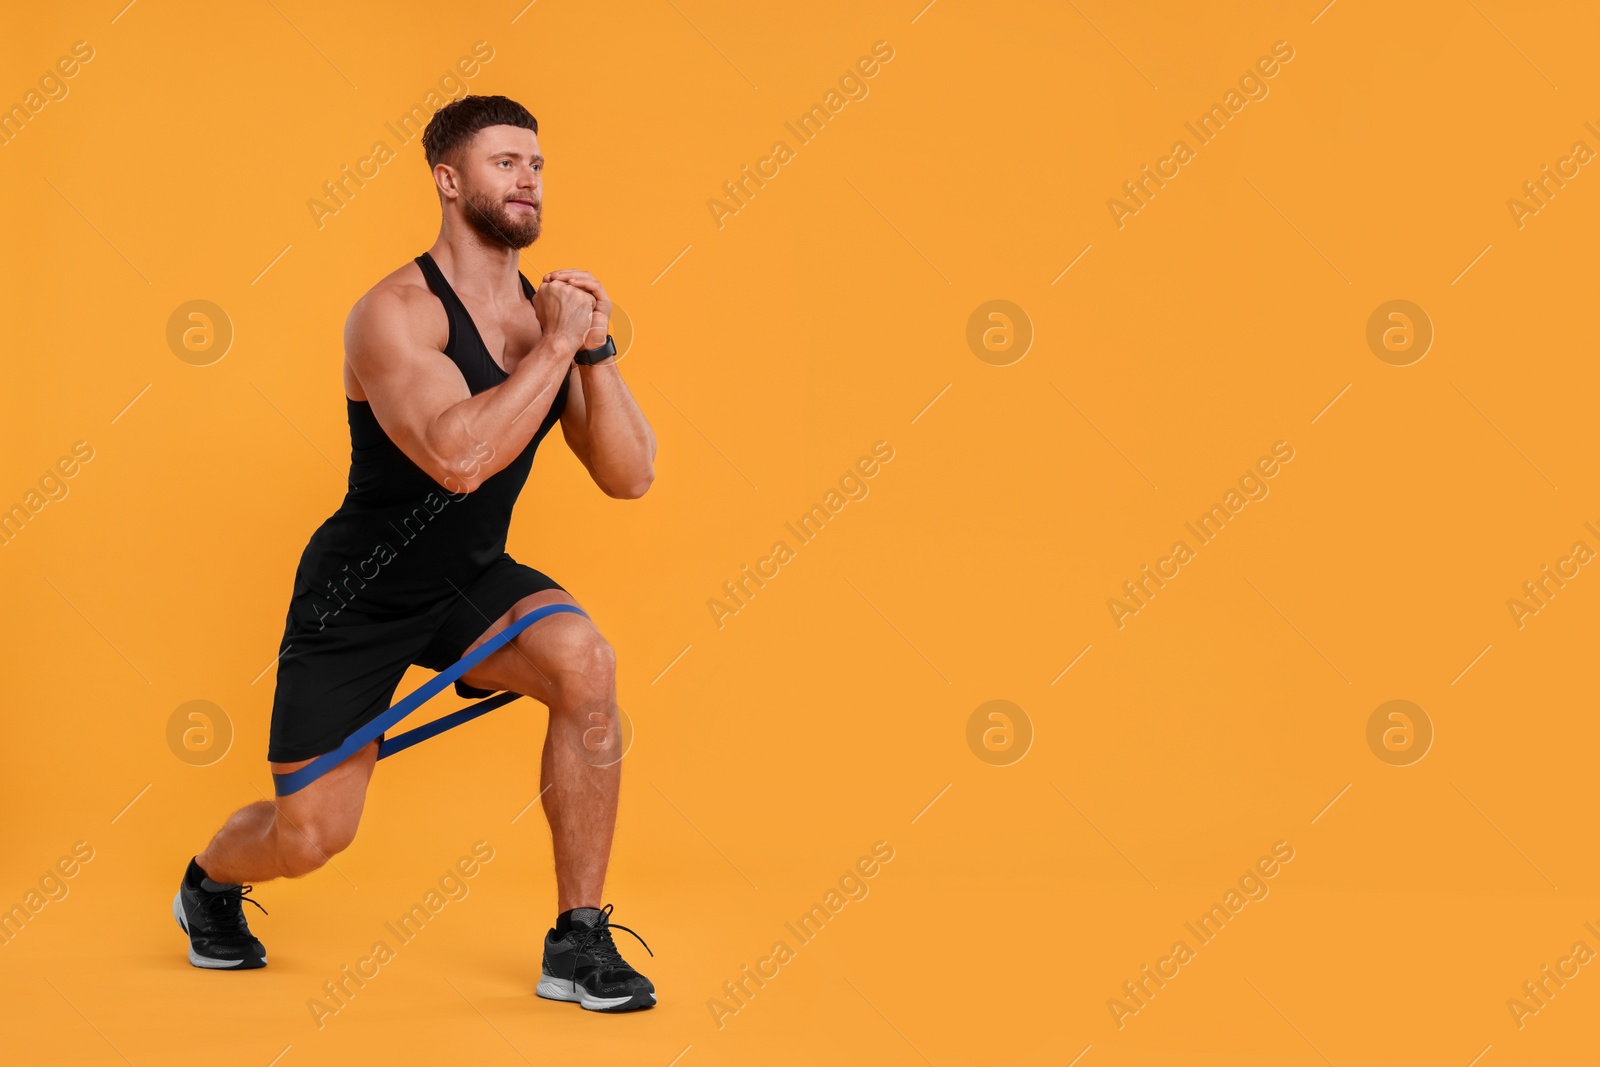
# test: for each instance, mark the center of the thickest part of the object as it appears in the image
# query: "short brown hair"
(455, 124)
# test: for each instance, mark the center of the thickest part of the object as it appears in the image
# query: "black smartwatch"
(590, 356)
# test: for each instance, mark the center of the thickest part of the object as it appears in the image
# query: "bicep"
(409, 383)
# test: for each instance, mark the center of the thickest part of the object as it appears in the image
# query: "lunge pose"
(455, 369)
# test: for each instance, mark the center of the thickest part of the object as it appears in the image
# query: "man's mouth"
(527, 205)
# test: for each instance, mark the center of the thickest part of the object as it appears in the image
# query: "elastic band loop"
(294, 781)
(390, 745)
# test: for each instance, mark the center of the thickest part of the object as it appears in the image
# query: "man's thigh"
(334, 801)
(530, 662)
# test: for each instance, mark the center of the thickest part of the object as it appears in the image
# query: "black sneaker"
(584, 966)
(212, 914)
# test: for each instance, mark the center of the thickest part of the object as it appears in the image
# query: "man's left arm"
(601, 422)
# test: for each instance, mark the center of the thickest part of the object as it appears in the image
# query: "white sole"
(565, 989)
(195, 957)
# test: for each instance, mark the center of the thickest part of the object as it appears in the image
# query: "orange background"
(769, 355)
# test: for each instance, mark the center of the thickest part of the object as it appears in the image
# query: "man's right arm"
(423, 403)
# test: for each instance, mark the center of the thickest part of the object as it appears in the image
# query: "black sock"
(585, 917)
(192, 876)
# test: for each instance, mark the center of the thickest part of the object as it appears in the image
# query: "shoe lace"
(596, 940)
(226, 903)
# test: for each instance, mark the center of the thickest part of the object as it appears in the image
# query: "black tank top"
(400, 541)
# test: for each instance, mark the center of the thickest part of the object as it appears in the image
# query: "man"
(455, 369)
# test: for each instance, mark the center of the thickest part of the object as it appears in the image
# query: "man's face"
(501, 177)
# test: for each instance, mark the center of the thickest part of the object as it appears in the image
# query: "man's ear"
(444, 176)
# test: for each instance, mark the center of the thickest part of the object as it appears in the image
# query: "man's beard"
(494, 222)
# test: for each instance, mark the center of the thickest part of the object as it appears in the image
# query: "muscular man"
(455, 369)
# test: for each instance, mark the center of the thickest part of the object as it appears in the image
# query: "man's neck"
(475, 266)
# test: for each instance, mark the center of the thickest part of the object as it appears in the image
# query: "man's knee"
(306, 846)
(597, 656)
(580, 655)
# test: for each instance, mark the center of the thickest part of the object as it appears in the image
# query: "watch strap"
(590, 356)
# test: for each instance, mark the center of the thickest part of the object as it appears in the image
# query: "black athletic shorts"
(333, 680)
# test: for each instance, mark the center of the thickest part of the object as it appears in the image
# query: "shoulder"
(400, 303)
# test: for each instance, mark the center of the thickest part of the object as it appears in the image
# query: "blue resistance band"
(295, 781)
